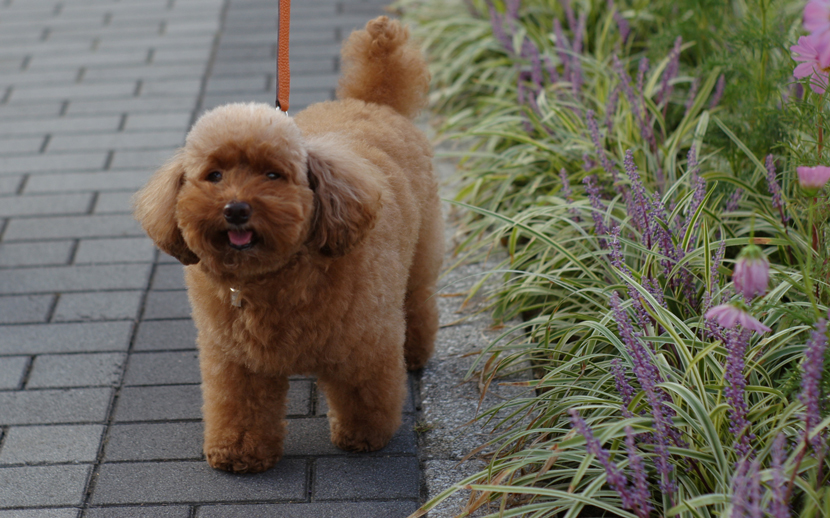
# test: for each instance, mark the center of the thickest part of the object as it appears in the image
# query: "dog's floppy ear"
(155, 208)
(347, 197)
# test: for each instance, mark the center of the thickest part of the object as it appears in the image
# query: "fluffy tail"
(381, 66)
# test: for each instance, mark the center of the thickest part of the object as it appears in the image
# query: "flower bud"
(751, 274)
(812, 179)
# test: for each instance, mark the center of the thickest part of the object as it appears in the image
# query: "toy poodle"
(312, 246)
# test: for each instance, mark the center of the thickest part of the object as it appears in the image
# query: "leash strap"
(283, 68)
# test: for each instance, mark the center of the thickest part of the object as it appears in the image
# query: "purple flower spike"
(622, 23)
(751, 274)
(775, 189)
(669, 73)
(746, 490)
(779, 507)
(591, 122)
(613, 474)
(734, 200)
(611, 109)
(739, 425)
(690, 100)
(625, 389)
(598, 210)
(810, 384)
(639, 203)
(497, 24)
(729, 316)
(640, 491)
(721, 86)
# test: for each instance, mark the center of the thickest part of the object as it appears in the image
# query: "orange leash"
(283, 68)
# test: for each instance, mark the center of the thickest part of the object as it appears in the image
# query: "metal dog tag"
(235, 301)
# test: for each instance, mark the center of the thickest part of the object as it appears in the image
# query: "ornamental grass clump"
(665, 275)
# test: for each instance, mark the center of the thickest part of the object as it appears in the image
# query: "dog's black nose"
(237, 212)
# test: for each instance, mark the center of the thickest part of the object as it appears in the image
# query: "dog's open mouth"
(241, 239)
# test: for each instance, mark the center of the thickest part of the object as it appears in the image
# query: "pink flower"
(813, 52)
(813, 178)
(729, 316)
(817, 16)
(751, 274)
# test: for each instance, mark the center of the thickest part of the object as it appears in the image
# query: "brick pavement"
(99, 395)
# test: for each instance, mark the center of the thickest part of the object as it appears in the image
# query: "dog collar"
(235, 300)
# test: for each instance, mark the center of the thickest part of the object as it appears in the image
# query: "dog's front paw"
(235, 461)
(243, 452)
(358, 439)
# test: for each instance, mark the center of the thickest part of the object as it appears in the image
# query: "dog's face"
(247, 193)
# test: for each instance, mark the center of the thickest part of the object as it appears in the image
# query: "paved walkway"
(99, 395)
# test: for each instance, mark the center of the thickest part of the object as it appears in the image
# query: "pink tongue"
(240, 237)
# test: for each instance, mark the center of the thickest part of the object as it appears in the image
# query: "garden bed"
(650, 170)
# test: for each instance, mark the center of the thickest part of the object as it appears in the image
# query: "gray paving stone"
(12, 370)
(10, 184)
(319, 65)
(73, 91)
(163, 368)
(114, 203)
(166, 304)
(25, 309)
(395, 509)
(144, 72)
(20, 145)
(107, 305)
(76, 370)
(41, 205)
(86, 405)
(149, 482)
(100, 181)
(178, 87)
(238, 84)
(52, 162)
(40, 513)
(299, 398)
(60, 125)
(47, 253)
(43, 109)
(123, 140)
(165, 335)
(75, 278)
(155, 441)
(159, 403)
(173, 55)
(366, 478)
(89, 60)
(312, 436)
(62, 443)
(158, 511)
(53, 227)
(124, 250)
(152, 121)
(132, 105)
(27, 77)
(168, 277)
(148, 160)
(64, 338)
(30, 486)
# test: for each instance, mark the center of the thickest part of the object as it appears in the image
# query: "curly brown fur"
(333, 269)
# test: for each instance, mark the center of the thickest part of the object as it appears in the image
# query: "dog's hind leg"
(243, 413)
(364, 415)
(420, 303)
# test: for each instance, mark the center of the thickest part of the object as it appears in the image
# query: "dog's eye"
(273, 175)
(214, 177)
